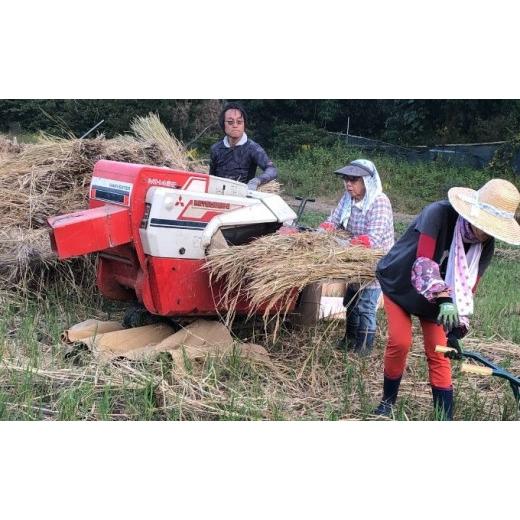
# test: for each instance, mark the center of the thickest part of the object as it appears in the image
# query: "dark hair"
(231, 106)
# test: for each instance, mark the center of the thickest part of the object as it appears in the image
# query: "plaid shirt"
(377, 223)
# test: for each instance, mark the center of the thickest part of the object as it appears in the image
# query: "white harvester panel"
(220, 186)
(178, 218)
(276, 204)
(181, 222)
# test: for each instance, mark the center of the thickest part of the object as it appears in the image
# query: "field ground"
(307, 378)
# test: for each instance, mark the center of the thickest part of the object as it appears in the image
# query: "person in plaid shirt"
(366, 213)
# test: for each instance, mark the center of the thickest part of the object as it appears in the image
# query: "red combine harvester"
(152, 227)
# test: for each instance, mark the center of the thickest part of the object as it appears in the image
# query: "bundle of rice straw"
(271, 270)
(8, 145)
(271, 187)
(52, 177)
(150, 129)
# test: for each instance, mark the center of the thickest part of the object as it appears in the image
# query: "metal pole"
(92, 129)
(348, 126)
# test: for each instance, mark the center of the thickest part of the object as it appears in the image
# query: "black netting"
(476, 155)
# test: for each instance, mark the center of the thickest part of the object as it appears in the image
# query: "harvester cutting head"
(152, 226)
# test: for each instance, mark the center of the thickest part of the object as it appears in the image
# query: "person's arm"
(213, 161)
(426, 246)
(261, 159)
(425, 275)
(427, 281)
(334, 221)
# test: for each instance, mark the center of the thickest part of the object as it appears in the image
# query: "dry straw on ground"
(271, 270)
(306, 379)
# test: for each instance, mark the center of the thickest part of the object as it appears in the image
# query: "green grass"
(497, 305)
(410, 186)
(40, 380)
(312, 218)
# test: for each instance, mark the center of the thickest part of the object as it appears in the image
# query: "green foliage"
(309, 172)
(401, 121)
(186, 118)
(436, 121)
(408, 121)
(289, 139)
(410, 186)
(503, 160)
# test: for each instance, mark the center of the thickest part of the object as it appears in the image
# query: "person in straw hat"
(432, 272)
(365, 212)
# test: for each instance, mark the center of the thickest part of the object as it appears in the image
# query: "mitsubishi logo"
(179, 202)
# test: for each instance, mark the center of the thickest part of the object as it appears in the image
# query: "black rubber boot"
(443, 403)
(390, 391)
(364, 343)
(348, 341)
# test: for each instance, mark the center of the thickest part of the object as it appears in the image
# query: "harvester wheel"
(138, 316)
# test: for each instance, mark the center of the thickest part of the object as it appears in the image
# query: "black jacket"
(393, 271)
(240, 162)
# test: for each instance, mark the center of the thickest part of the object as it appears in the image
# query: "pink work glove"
(361, 240)
(327, 226)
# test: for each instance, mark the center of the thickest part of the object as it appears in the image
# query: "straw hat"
(491, 209)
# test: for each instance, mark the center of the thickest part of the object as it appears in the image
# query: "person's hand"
(325, 227)
(361, 240)
(253, 184)
(448, 315)
(455, 343)
(341, 242)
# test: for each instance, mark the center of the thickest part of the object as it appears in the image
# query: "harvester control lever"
(301, 208)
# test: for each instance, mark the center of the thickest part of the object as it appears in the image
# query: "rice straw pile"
(272, 269)
(19, 250)
(271, 187)
(8, 146)
(52, 177)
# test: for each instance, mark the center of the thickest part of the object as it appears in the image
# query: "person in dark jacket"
(432, 272)
(236, 156)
